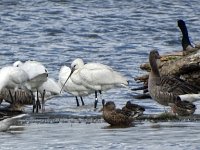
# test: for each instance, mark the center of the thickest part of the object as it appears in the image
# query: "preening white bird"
(12, 78)
(37, 73)
(7, 122)
(78, 90)
(96, 76)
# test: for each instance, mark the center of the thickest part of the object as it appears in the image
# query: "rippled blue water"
(117, 33)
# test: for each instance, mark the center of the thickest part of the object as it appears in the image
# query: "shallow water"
(117, 33)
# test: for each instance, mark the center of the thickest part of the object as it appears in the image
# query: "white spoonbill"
(96, 76)
(37, 73)
(7, 122)
(78, 90)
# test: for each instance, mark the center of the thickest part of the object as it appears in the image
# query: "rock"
(185, 67)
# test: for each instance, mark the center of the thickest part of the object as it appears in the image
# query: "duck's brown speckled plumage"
(117, 117)
(134, 109)
(183, 108)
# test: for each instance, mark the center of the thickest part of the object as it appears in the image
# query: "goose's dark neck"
(185, 38)
(154, 67)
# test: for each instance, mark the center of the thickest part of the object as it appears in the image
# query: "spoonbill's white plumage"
(17, 63)
(6, 123)
(12, 78)
(37, 73)
(50, 86)
(96, 76)
(78, 90)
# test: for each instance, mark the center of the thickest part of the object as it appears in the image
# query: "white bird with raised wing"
(37, 73)
(96, 76)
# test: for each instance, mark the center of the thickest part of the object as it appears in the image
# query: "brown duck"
(118, 117)
(134, 109)
(165, 89)
(182, 108)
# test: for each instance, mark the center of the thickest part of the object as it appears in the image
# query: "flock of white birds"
(79, 80)
(31, 78)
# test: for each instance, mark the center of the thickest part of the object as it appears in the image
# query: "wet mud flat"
(63, 117)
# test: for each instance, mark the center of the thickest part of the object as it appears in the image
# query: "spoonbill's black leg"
(15, 96)
(38, 105)
(11, 97)
(77, 102)
(43, 107)
(33, 101)
(82, 101)
(96, 100)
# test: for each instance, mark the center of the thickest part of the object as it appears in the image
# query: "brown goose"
(182, 108)
(117, 117)
(186, 44)
(165, 89)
